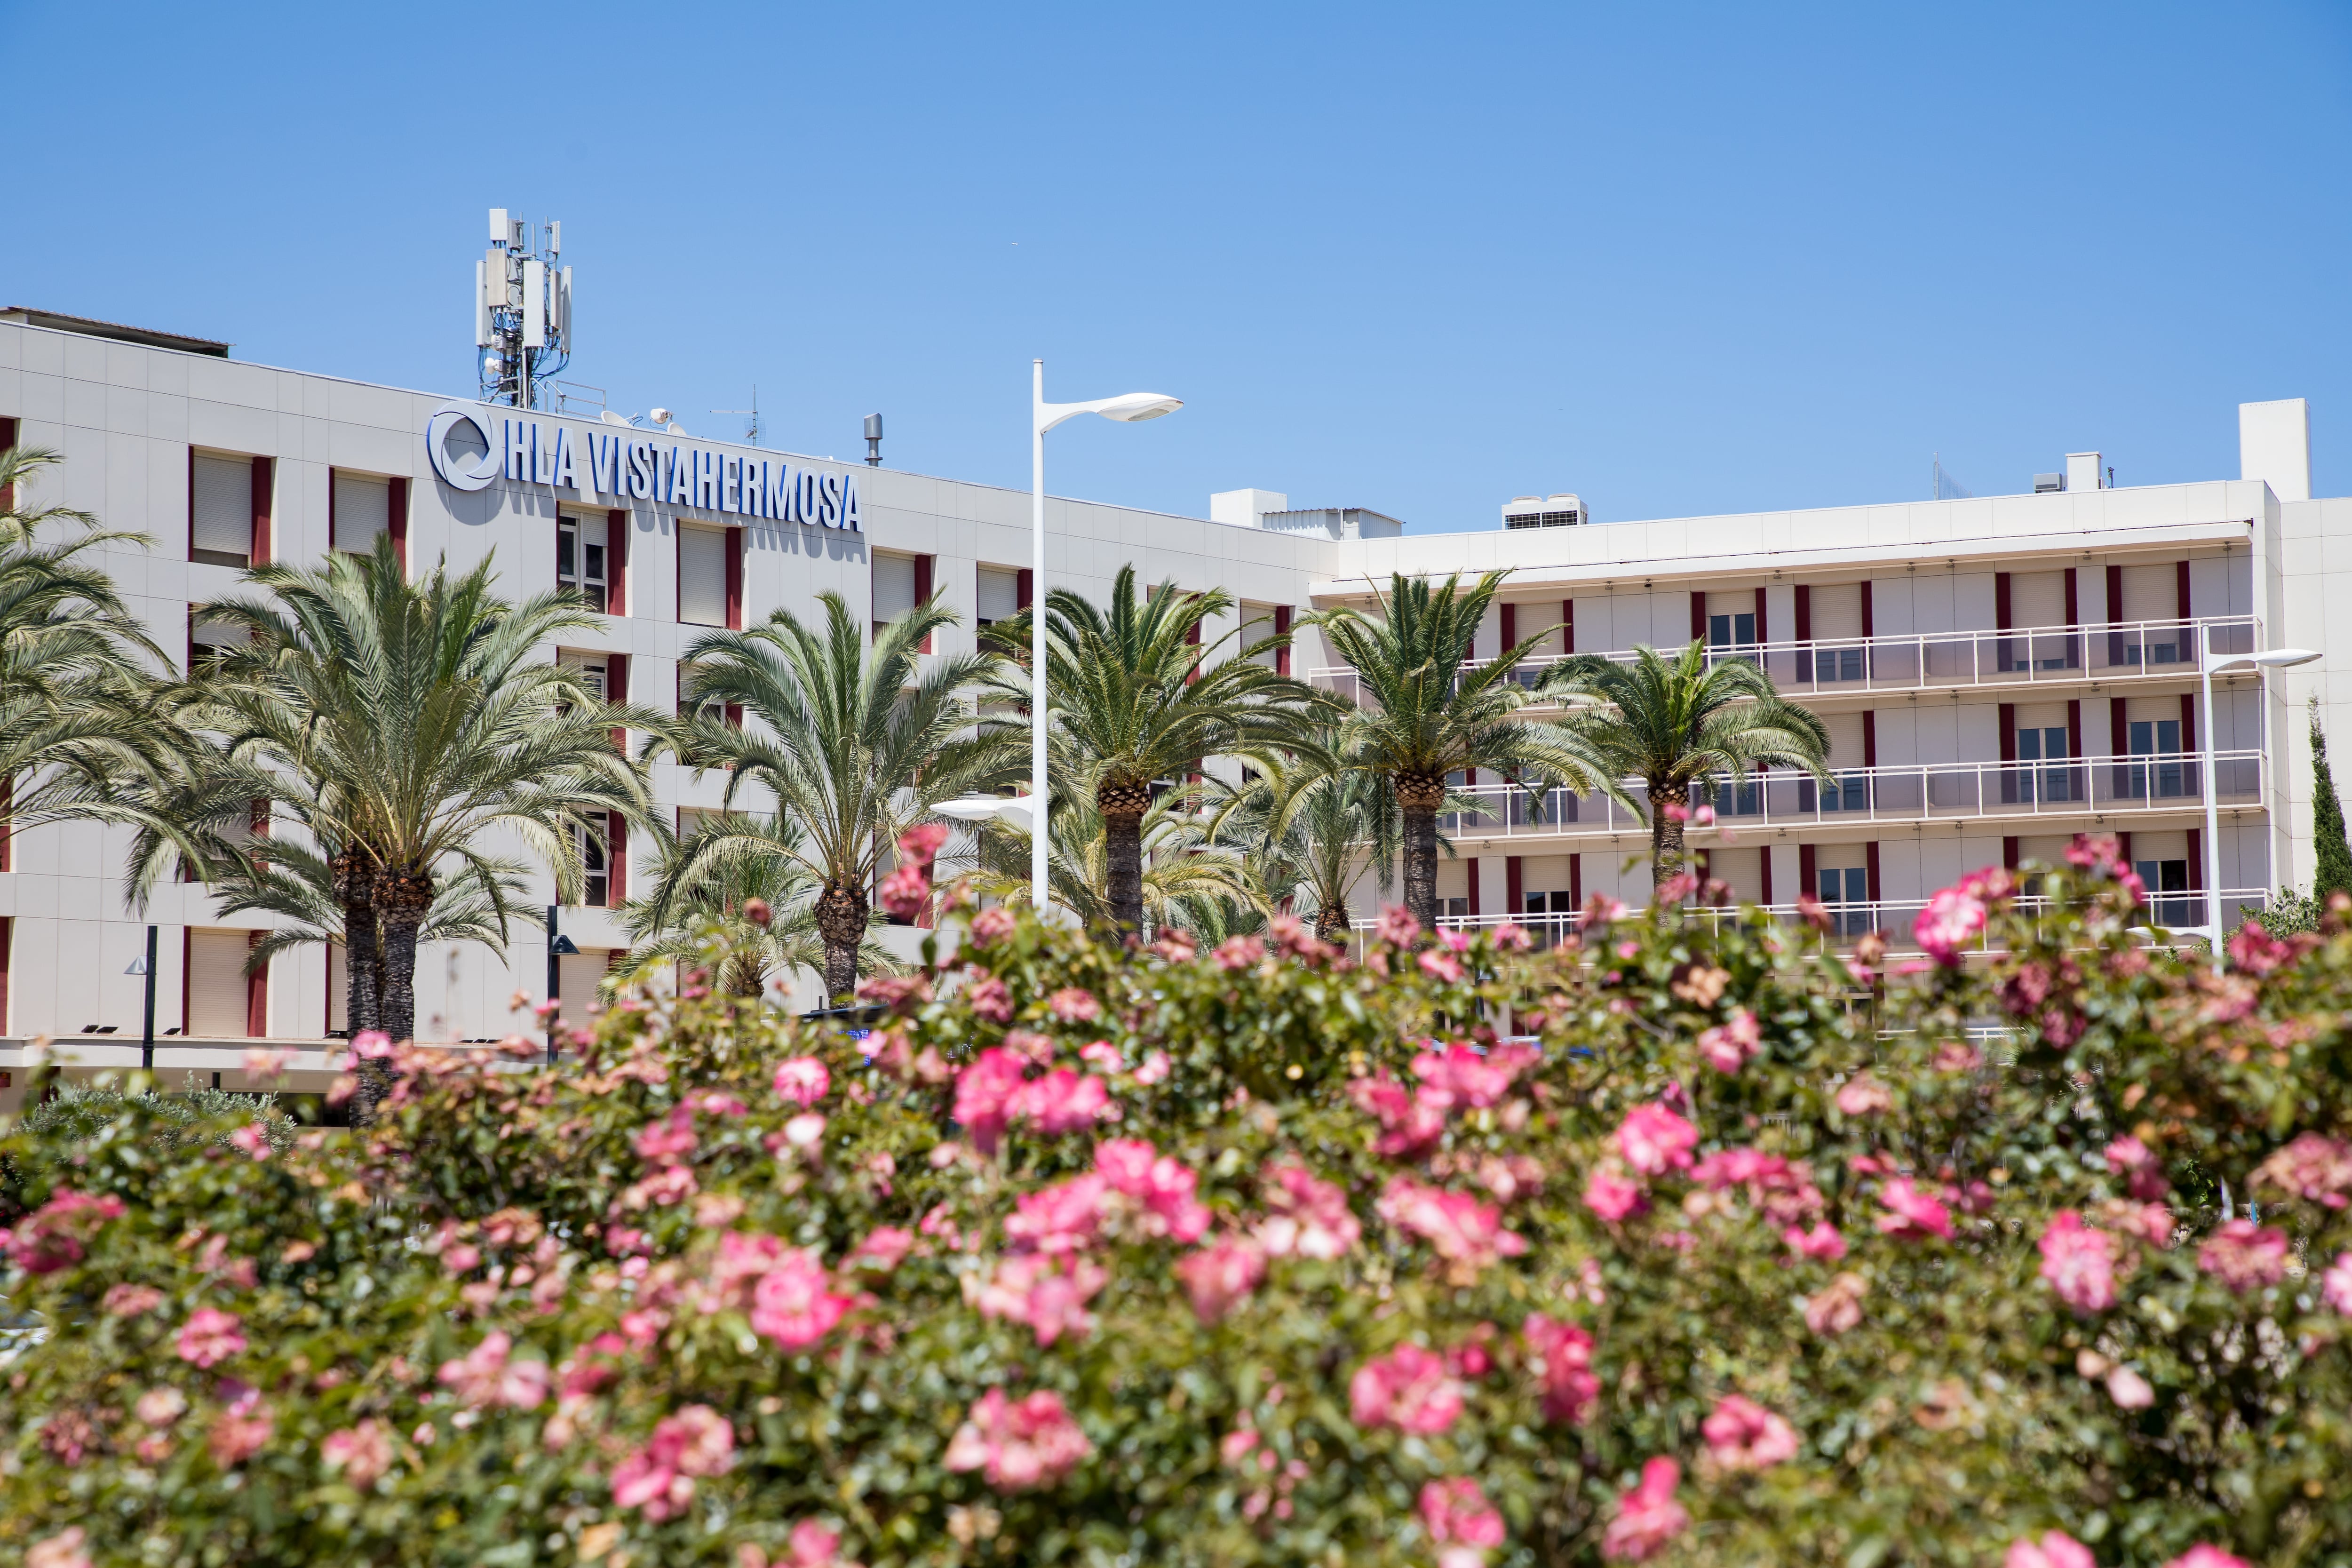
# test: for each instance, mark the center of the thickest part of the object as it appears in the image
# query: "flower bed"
(1256, 1255)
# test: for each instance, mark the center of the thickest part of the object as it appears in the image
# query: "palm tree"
(1675, 726)
(709, 878)
(1338, 826)
(854, 744)
(400, 725)
(79, 720)
(1428, 713)
(1136, 702)
(1186, 866)
(298, 884)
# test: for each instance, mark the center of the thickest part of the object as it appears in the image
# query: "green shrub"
(1714, 1277)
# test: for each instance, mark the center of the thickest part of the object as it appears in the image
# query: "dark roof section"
(115, 330)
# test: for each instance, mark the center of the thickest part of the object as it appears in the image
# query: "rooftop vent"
(2049, 484)
(1544, 511)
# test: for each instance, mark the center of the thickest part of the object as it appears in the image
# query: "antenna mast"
(752, 430)
(522, 311)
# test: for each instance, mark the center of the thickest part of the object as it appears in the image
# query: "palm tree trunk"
(1122, 807)
(1331, 922)
(355, 884)
(1418, 799)
(402, 897)
(1667, 832)
(840, 917)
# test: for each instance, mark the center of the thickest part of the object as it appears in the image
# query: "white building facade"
(1996, 674)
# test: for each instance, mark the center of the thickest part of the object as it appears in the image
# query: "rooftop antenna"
(873, 440)
(751, 428)
(522, 311)
(1945, 487)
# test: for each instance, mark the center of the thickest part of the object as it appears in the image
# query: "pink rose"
(241, 1431)
(486, 1377)
(1220, 1275)
(1912, 1213)
(1073, 1005)
(659, 1478)
(2244, 1257)
(1461, 1077)
(1063, 1218)
(667, 1138)
(1612, 1195)
(1064, 1101)
(1729, 1046)
(2078, 1262)
(1306, 1217)
(803, 1080)
(2130, 1158)
(63, 1550)
(1408, 1124)
(1162, 1184)
(253, 1140)
(54, 1235)
(363, 1453)
(1648, 1515)
(210, 1337)
(1836, 1307)
(1237, 953)
(1460, 1521)
(2315, 1168)
(1018, 1444)
(1409, 1389)
(983, 1097)
(2055, 1548)
(1653, 1139)
(992, 925)
(1442, 963)
(1562, 1359)
(1048, 1293)
(1821, 1243)
(1456, 1224)
(127, 1300)
(2203, 1556)
(1865, 1096)
(811, 1546)
(793, 1304)
(1397, 927)
(882, 1250)
(1741, 1435)
(1952, 921)
(2335, 1284)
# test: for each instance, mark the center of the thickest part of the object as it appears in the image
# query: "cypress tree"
(2333, 872)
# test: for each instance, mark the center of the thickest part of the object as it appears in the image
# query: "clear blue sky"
(1421, 259)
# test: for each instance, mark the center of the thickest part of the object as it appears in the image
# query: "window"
(2045, 744)
(210, 641)
(2160, 779)
(220, 510)
(362, 510)
(578, 975)
(1000, 595)
(1732, 631)
(580, 560)
(1847, 890)
(596, 863)
(702, 576)
(2169, 899)
(1453, 908)
(592, 668)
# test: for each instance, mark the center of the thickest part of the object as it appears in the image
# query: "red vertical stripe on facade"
(2188, 722)
(616, 562)
(265, 510)
(7, 439)
(2114, 594)
(1869, 615)
(1808, 872)
(1568, 625)
(2123, 847)
(1804, 632)
(2073, 609)
(1472, 865)
(2075, 727)
(1870, 867)
(616, 689)
(1576, 881)
(735, 579)
(1763, 634)
(2008, 721)
(8, 957)
(1764, 893)
(2119, 727)
(924, 565)
(617, 860)
(2001, 601)
(1282, 629)
(2196, 859)
(2180, 589)
(398, 515)
(1022, 588)
(1698, 618)
(1509, 616)
(191, 503)
(187, 958)
(2009, 853)
(1870, 737)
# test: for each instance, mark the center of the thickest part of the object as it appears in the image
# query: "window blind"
(702, 576)
(894, 586)
(363, 511)
(999, 594)
(220, 511)
(216, 984)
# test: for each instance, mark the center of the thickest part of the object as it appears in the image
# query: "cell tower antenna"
(751, 426)
(522, 312)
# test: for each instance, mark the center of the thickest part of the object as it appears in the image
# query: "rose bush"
(1256, 1255)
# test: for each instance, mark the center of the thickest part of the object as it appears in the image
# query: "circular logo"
(459, 449)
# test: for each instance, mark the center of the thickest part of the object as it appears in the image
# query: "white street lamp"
(1131, 408)
(2277, 658)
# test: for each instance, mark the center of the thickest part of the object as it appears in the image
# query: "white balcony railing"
(2172, 912)
(2070, 788)
(1935, 661)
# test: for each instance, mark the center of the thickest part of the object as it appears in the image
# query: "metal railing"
(2174, 912)
(1934, 661)
(1902, 794)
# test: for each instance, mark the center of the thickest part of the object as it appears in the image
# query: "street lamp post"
(2277, 658)
(1130, 408)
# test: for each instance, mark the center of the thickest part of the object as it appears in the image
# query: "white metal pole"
(1037, 827)
(2212, 806)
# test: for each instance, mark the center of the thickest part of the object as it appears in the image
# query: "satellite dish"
(661, 416)
(675, 429)
(609, 417)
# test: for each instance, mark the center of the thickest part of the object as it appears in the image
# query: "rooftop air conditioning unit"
(2049, 484)
(1562, 511)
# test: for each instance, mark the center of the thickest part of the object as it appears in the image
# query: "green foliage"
(600, 1217)
(2333, 873)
